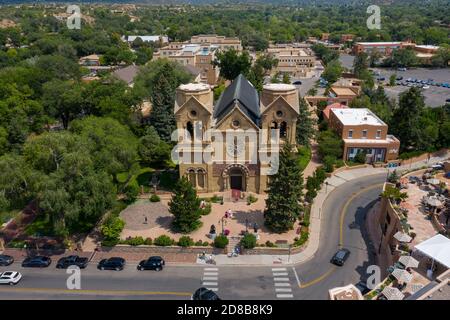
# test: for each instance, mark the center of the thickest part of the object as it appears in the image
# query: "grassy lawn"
(41, 226)
(5, 216)
(304, 156)
(144, 178)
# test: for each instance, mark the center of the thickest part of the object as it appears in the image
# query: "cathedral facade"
(233, 143)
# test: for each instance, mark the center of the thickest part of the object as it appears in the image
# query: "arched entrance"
(235, 177)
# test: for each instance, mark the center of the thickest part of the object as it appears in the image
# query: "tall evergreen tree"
(406, 119)
(305, 124)
(185, 206)
(162, 98)
(284, 193)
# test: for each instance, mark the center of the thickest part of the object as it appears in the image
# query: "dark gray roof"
(127, 74)
(241, 93)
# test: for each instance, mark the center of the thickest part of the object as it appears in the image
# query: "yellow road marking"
(322, 277)
(344, 210)
(98, 292)
(341, 234)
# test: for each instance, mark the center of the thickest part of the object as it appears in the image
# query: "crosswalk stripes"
(282, 283)
(210, 279)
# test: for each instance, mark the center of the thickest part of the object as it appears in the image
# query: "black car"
(36, 262)
(340, 257)
(5, 260)
(399, 78)
(298, 82)
(78, 261)
(205, 294)
(153, 263)
(447, 100)
(114, 263)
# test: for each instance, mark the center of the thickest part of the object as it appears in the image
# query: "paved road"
(344, 210)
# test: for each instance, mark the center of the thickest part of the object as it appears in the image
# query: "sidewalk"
(314, 237)
(315, 226)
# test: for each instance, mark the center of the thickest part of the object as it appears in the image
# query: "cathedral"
(232, 144)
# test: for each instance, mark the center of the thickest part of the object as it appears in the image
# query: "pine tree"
(185, 206)
(305, 125)
(162, 98)
(285, 190)
(406, 119)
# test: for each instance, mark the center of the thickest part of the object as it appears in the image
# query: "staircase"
(232, 243)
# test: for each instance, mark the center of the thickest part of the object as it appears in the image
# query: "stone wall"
(120, 248)
(273, 251)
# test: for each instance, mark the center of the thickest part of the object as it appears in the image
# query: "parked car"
(340, 257)
(297, 83)
(10, 277)
(204, 294)
(426, 86)
(447, 100)
(36, 262)
(114, 263)
(6, 260)
(401, 69)
(153, 263)
(399, 78)
(78, 261)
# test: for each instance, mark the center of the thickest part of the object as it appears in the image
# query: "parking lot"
(434, 96)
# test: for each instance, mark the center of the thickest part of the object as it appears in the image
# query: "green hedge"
(248, 241)
(220, 242)
(185, 241)
(163, 241)
(155, 198)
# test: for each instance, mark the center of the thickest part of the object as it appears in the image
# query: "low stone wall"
(424, 156)
(159, 249)
(272, 251)
(173, 254)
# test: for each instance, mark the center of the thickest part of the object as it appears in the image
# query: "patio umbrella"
(402, 275)
(433, 181)
(434, 202)
(402, 237)
(392, 293)
(408, 262)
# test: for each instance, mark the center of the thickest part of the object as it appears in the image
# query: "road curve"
(343, 215)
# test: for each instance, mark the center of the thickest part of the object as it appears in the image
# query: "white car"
(10, 277)
(426, 87)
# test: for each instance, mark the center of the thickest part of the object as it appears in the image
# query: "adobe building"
(362, 131)
(293, 60)
(239, 108)
(221, 42)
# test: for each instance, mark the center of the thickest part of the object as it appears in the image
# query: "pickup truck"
(78, 261)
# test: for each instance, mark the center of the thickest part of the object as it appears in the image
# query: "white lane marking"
(210, 283)
(282, 284)
(285, 296)
(210, 273)
(213, 289)
(278, 269)
(283, 289)
(296, 276)
(281, 279)
(210, 278)
(211, 269)
(275, 274)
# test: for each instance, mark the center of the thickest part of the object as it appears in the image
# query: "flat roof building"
(363, 132)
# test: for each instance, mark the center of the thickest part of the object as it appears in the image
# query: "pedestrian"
(255, 227)
(145, 220)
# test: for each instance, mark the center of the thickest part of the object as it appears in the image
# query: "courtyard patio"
(152, 219)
